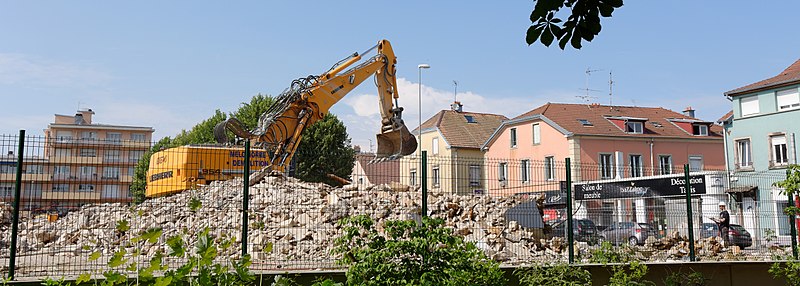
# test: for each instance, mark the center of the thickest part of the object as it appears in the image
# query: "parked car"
(582, 230)
(651, 231)
(737, 234)
(625, 232)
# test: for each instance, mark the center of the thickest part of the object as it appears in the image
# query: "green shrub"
(411, 254)
(679, 278)
(790, 270)
(554, 275)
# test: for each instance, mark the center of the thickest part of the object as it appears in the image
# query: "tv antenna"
(610, 89)
(587, 97)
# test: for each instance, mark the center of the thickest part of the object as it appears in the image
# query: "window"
(502, 171)
(549, 168)
(111, 156)
(779, 151)
(110, 173)
(537, 136)
(134, 156)
(6, 190)
(130, 171)
(700, 130)
(743, 154)
(64, 136)
(788, 99)
(665, 164)
(524, 170)
(435, 146)
(60, 187)
(86, 188)
(470, 119)
(513, 137)
(113, 137)
(88, 153)
(435, 175)
(34, 169)
(749, 105)
(585, 122)
(87, 172)
(474, 175)
(784, 227)
(634, 127)
(606, 166)
(111, 191)
(8, 168)
(63, 153)
(695, 163)
(635, 165)
(88, 135)
(413, 177)
(60, 172)
(138, 137)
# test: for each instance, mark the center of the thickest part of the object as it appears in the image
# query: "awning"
(742, 189)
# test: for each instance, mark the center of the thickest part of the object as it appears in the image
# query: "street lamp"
(419, 131)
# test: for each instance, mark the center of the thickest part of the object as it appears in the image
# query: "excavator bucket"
(396, 143)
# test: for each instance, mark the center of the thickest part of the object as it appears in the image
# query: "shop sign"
(660, 187)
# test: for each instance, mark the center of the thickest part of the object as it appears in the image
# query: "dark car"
(737, 234)
(651, 231)
(625, 232)
(582, 229)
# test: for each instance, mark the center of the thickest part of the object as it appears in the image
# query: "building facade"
(452, 139)
(760, 139)
(78, 161)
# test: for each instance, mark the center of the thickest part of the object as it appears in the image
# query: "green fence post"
(424, 179)
(792, 222)
(245, 195)
(15, 220)
(570, 235)
(689, 218)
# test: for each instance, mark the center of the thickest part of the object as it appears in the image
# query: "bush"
(408, 253)
(554, 275)
(790, 270)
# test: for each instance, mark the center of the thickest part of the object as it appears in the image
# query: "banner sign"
(660, 187)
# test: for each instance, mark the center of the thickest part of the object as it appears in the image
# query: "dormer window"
(700, 130)
(634, 127)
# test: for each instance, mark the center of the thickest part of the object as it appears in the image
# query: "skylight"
(470, 119)
(585, 122)
(656, 124)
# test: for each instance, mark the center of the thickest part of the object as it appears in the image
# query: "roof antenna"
(610, 89)
(587, 97)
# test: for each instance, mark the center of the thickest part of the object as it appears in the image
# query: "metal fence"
(67, 208)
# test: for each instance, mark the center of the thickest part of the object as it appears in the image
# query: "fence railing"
(67, 206)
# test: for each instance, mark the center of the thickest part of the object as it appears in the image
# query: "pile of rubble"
(289, 222)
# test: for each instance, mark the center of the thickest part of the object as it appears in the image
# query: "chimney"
(79, 119)
(457, 106)
(689, 111)
(86, 113)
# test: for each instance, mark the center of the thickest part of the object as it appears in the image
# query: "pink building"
(603, 142)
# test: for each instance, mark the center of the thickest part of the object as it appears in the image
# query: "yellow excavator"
(280, 129)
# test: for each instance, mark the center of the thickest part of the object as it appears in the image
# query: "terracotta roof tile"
(382, 172)
(787, 76)
(658, 123)
(460, 133)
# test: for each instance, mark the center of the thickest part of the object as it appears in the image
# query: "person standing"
(723, 223)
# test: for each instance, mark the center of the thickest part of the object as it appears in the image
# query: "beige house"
(78, 161)
(452, 139)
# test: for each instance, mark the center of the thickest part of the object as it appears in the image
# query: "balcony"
(71, 142)
(93, 195)
(76, 160)
(25, 177)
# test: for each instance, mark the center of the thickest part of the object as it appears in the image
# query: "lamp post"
(419, 131)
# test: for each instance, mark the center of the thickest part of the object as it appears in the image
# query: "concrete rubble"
(293, 224)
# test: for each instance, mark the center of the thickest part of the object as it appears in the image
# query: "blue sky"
(170, 64)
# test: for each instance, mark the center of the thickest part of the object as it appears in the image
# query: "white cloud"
(24, 69)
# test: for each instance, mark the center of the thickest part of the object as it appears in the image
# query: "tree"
(325, 149)
(583, 22)
(249, 113)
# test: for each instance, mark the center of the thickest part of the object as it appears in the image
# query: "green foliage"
(790, 270)
(122, 226)
(791, 187)
(606, 253)
(583, 22)
(630, 274)
(249, 113)
(554, 275)
(325, 149)
(679, 278)
(409, 253)
(195, 204)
